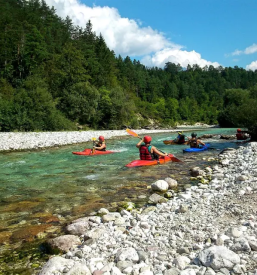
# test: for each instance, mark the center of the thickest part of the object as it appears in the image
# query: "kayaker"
(147, 151)
(100, 145)
(194, 142)
(180, 139)
(241, 135)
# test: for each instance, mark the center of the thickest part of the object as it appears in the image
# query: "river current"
(42, 190)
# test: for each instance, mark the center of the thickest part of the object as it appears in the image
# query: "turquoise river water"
(41, 190)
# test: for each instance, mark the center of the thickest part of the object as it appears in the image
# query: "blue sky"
(203, 32)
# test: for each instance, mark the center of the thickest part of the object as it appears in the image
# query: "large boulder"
(218, 257)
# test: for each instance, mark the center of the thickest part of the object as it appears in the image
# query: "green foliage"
(54, 74)
(240, 110)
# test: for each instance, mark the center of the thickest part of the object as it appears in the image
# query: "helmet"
(238, 130)
(193, 135)
(147, 139)
(180, 133)
(101, 138)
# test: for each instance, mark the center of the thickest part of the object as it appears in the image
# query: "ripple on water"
(91, 177)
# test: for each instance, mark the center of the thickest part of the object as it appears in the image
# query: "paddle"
(93, 149)
(173, 158)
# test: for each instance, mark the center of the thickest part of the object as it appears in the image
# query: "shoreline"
(20, 141)
(208, 229)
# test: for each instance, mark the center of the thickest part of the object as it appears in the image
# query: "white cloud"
(126, 36)
(252, 66)
(176, 56)
(249, 50)
(123, 35)
(237, 52)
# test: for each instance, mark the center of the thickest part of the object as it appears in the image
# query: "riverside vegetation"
(55, 75)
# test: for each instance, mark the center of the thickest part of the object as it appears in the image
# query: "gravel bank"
(209, 229)
(32, 140)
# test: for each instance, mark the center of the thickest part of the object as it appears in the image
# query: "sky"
(203, 32)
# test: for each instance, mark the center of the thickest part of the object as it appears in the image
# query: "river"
(43, 190)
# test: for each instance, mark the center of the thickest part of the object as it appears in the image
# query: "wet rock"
(155, 198)
(227, 137)
(128, 206)
(171, 182)
(65, 242)
(160, 185)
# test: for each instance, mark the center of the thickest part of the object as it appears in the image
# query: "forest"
(56, 76)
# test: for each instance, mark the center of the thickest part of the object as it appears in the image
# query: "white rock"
(55, 264)
(181, 262)
(160, 185)
(171, 182)
(218, 257)
(129, 254)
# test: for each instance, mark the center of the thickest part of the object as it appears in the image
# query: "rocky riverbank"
(32, 140)
(211, 228)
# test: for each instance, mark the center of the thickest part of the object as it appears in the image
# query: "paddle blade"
(132, 133)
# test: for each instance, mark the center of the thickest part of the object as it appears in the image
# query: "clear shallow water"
(39, 185)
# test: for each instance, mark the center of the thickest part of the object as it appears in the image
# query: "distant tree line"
(54, 75)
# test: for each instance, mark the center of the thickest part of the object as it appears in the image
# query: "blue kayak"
(202, 148)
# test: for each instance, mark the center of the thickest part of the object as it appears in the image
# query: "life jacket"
(145, 153)
(240, 136)
(181, 139)
(193, 143)
(99, 144)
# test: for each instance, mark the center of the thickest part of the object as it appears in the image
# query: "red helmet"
(101, 138)
(147, 139)
(238, 130)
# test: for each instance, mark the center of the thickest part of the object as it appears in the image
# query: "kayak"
(171, 142)
(88, 152)
(242, 140)
(202, 148)
(162, 160)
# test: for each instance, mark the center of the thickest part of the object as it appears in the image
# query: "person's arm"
(139, 143)
(188, 140)
(101, 147)
(202, 143)
(155, 150)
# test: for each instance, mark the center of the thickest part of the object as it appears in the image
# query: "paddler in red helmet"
(241, 135)
(147, 151)
(100, 145)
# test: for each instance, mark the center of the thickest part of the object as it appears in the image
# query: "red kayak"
(88, 152)
(162, 160)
